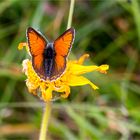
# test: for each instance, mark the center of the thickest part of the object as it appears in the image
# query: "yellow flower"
(47, 90)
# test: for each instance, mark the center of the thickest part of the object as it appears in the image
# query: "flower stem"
(72, 2)
(45, 121)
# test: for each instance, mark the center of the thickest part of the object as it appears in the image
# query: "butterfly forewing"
(62, 46)
(37, 45)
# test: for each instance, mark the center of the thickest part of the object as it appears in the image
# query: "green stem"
(72, 2)
(45, 121)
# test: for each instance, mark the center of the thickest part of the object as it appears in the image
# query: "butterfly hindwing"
(62, 46)
(37, 45)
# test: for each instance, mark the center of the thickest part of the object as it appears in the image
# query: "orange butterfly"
(49, 59)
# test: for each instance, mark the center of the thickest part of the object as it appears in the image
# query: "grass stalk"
(72, 2)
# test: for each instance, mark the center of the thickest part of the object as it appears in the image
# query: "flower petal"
(24, 44)
(32, 88)
(103, 69)
(47, 94)
(65, 89)
(80, 81)
(66, 93)
(82, 58)
(21, 45)
(80, 69)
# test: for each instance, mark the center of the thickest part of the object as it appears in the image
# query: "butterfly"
(49, 58)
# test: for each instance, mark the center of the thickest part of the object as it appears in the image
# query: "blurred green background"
(109, 30)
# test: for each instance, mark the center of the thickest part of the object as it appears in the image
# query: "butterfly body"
(49, 59)
(49, 55)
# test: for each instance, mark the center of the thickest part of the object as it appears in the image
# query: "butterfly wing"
(62, 46)
(37, 44)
